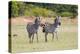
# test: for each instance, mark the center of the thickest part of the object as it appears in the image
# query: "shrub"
(66, 14)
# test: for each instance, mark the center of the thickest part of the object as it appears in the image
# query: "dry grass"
(67, 33)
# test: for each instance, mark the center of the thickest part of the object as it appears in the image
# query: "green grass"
(67, 34)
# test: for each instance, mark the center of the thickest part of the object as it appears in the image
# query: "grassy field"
(67, 34)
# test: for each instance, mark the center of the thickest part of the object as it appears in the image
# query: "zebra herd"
(32, 28)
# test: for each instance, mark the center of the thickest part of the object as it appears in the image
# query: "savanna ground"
(67, 36)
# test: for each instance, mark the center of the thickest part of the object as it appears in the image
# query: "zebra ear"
(39, 18)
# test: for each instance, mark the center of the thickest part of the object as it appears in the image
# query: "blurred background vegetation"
(19, 8)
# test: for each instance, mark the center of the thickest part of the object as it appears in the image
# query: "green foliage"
(66, 14)
(39, 12)
(19, 8)
(74, 11)
(14, 9)
(22, 7)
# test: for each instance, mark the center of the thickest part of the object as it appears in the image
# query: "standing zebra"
(33, 29)
(51, 28)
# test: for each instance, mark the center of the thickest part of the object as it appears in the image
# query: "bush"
(66, 14)
(14, 9)
(39, 12)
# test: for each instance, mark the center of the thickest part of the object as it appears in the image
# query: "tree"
(14, 9)
(74, 11)
(19, 8)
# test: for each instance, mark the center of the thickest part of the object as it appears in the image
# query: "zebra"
(32, 28)
(51, 28)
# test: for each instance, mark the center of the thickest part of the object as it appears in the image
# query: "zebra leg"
(46, 37)
(32, 38)
(29, 38)
(56, 35)
(37, 36)
(52, 36)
